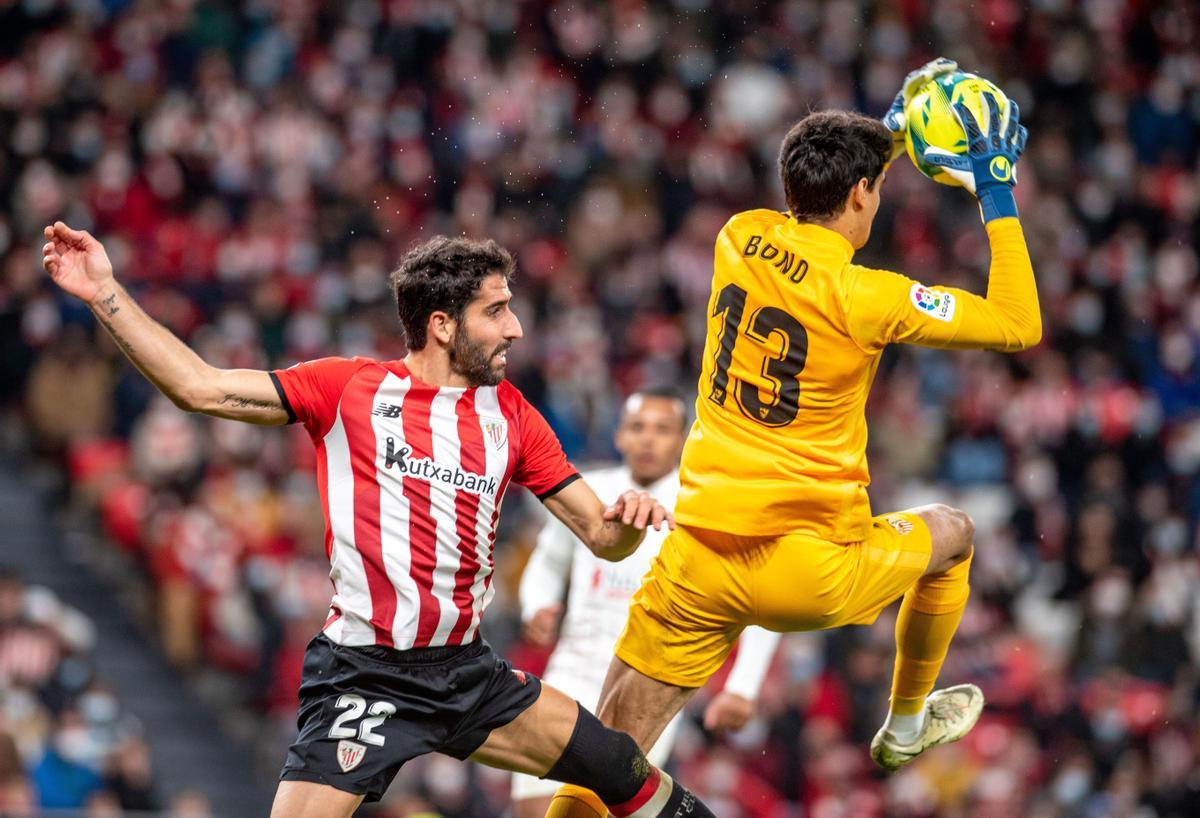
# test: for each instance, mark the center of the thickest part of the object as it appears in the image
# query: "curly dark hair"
(824, 155)
(443, 274)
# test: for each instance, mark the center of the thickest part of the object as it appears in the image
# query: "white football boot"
(949, 715)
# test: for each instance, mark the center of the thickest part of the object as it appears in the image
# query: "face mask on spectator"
(98, 708)
(1178, 354)
(1072, 785)
(74, 744)
(1086, 314)
(1037, 479)
(1110, 597)
(1169, 538)
(1108, 725)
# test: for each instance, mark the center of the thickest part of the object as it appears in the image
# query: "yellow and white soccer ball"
(933, 123)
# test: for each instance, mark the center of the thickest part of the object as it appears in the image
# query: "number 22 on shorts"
(355, 706)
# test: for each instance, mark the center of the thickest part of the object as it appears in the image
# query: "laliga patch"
(350, 754)
(901, 525)
(937, 304)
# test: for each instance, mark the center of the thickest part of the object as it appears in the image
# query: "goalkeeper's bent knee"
(942, 593)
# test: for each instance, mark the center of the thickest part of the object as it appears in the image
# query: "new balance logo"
(386, 410)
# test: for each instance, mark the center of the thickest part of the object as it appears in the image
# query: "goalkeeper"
(774, 525)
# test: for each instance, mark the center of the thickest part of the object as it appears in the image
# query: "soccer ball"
(932, 122)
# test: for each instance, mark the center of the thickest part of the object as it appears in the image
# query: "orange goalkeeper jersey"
(795, 331)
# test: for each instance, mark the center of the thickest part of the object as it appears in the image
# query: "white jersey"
(598, 605)
(600, 590)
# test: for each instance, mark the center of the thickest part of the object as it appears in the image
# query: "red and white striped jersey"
(411, 477)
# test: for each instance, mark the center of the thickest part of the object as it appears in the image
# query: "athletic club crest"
(350, 754)
(495, 432)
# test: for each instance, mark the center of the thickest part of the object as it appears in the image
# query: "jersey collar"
(400, 369)
(815, 234)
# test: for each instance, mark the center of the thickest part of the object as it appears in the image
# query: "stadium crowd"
(65, 742)
(255, 168)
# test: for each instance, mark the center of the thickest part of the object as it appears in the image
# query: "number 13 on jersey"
(779, 344)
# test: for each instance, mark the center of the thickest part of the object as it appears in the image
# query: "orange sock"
(928, 618)
(576, 802)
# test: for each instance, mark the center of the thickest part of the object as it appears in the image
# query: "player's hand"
(541, 629)
(895, 119)
(76, 261)
(989, 168)
(727, 712)
(639, 509)
(991, 158)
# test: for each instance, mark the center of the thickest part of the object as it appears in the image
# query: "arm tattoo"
(110, 307)
(116, 336)
(242, 402)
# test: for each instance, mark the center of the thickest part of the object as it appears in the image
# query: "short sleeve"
(542, 466)
(310, 391)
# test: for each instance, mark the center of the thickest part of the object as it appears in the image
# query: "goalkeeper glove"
(989, 168)
(894, 119)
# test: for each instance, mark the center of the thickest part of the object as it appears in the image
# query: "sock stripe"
(650, 787)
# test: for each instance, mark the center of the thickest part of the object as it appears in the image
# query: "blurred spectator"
(189, 804)
(64, 776)
(64, 743)
(69, 392)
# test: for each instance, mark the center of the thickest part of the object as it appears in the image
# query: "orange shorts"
(704, 587)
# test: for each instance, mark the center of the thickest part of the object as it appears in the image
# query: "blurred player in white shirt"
(650, 439)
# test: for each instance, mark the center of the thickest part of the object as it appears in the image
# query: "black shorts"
(364, 711)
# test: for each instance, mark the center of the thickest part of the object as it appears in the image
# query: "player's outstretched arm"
(78, 264)
(883, 307)
(610, 532)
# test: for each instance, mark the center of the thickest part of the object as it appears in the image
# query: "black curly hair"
(824, 155)
(443, 274)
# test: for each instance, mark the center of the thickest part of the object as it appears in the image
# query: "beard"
(474, 362)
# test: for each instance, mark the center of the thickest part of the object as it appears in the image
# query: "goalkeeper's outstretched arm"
(883, 307)
(79, 265)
